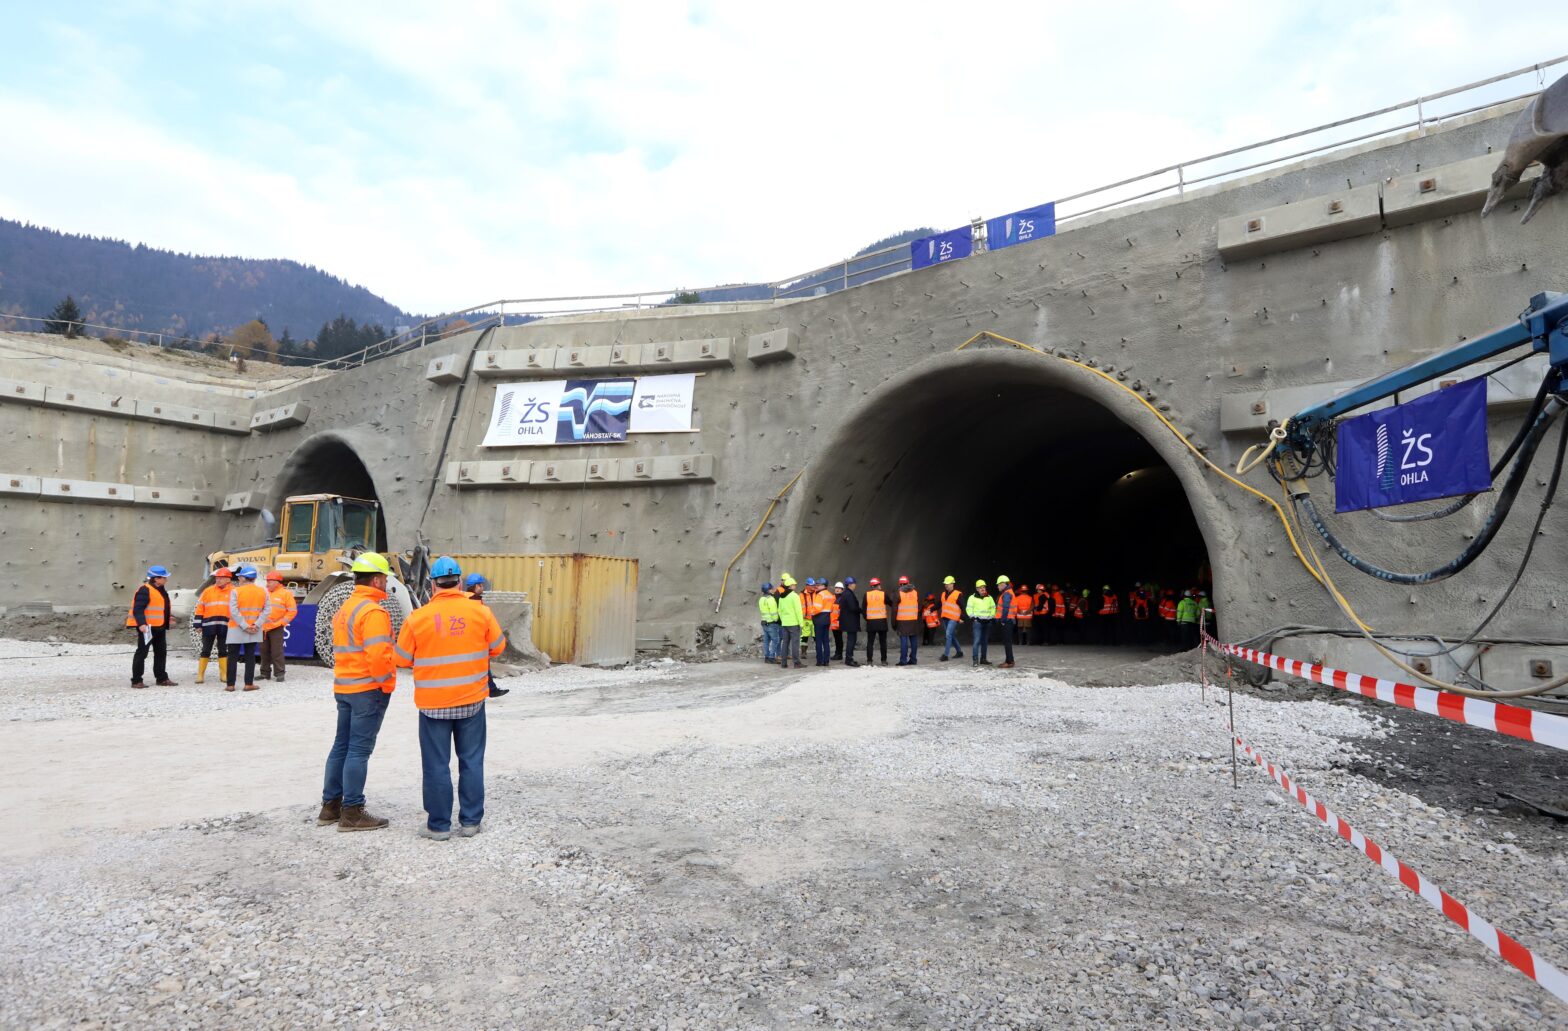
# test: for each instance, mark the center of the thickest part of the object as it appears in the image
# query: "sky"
(446, 155)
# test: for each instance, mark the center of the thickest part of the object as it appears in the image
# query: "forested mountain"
(137, 287)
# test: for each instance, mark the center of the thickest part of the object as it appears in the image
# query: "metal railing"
(865, 268)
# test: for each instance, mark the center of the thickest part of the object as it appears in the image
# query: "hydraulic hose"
(1300, 494)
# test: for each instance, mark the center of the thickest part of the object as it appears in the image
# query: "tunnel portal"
(987, 468)
(327, 464)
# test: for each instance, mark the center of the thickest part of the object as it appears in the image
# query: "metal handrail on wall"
(873, 265)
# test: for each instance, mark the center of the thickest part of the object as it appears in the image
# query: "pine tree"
(66, 319)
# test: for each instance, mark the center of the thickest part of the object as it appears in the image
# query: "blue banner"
(594, 411)
(948, 246)
(299, 637)
(1021, 226)
(1432, 447)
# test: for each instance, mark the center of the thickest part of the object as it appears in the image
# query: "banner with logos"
(1020, 227)
(663, 404)
(948, 246)
(534, 413)
(1432, 447)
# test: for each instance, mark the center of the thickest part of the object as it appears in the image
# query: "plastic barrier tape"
(1538, 970)
(1541, 727)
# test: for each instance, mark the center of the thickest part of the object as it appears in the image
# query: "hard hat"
(930, 597)
(903, 580)
(1039, 587)
(765, 588)
(979, 583)
(370, 562)
(1002, 580)
(948, 580)
(275, 575)
(474, 580)
(839, 586)
(153, 571)
(225, 572)
(1106, 587)
(849, 579)
(787, 580)
(875, 582)
(247, 572)
(1086, 592)
(445, 566)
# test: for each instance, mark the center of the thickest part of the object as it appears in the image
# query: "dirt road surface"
(727, 845)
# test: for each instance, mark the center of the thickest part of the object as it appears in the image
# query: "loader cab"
(318, 529)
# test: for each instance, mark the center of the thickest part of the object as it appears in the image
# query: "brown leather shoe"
(1005, 665)
(167, 683)
(137, 684)
(228, 687)
(252, 687)
(355, 818)
(331, 812)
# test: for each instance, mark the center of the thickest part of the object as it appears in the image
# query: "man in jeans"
(449, 643)
(768, 611)
(981, 610)
(364, 674)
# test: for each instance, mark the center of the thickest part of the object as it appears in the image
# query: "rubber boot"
(223, 668)
(201, 671)
(355, 818)
(331, 812)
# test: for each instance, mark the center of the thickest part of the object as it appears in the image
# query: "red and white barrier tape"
(1541, 727)
(1538, 970)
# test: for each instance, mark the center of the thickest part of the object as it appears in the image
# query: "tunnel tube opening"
(329, 465)
(980, 470)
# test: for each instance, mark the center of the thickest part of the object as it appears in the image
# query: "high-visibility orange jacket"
(212, 608)
(876, 603)
(833, 625)
(449, 643)
(1140, 605)
(1110, 605)
(950, 607)
(251, 602)
(930, 616)
(362, 657)
(1079, 605)
(156, 613)
(1005, 607)
(1023, 607)
(1058, 605)
(283, 607)
(1168, 609)
(908, 604)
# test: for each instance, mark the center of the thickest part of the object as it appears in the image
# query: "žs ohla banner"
(569, 411)
(1432, 447)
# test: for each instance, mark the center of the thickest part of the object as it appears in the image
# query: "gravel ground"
(936, 847)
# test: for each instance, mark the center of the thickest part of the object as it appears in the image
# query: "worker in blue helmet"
(476, 585)
(772, 630)
(151, 616)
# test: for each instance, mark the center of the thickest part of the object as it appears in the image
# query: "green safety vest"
(768, 606)
(1187, 611)
(790, 611)
(980, 608)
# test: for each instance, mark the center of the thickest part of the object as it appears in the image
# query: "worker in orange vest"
(929, 617)
(1042, 614)
(364, 675)
(150, 616)
(821, 610)
(1168, 616)
(833, 613)
(1058, 628)
(212, 616)
(876, 619)
(952, 613)
(1109, 615)
(280, 613)
(1141, 605)
(1006, 619)
(249, 607)
(907, 621)
(449, 643)
(1023, 608)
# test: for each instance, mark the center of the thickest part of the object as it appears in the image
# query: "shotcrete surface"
(729, 845)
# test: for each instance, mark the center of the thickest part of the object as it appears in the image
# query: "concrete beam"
(1336, 216)
(283, 417)
(577, 472)
(776, 346)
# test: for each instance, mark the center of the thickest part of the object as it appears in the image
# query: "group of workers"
(240, 619)
(833, 616)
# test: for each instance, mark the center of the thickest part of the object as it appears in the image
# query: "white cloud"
(572, 148)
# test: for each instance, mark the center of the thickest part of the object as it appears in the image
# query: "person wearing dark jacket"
(849, 610)
(150, 616)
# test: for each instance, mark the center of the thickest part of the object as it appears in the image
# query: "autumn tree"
(254, 340)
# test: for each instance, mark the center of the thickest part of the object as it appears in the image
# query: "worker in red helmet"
(930, 619)
(876, 620)
(280, 613)
(907, 619)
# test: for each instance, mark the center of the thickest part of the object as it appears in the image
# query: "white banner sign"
(525, 413)
(662, 404)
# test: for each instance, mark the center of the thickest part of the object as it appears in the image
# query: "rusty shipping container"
(585, 606)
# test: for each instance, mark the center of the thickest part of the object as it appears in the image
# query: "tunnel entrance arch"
(329, 464)
(995, 461)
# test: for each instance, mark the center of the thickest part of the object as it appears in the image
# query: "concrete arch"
(331, 462)
(905, 471)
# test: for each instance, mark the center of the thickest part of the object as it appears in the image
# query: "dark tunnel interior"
(981, 472)
(329, 466)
